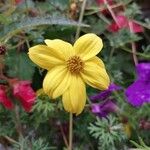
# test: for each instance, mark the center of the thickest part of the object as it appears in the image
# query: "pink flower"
(23, 91)
(4, 99)
(123, 22)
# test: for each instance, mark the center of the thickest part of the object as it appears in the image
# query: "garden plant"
(74, 75)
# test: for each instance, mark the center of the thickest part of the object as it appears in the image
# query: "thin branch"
(80, 19)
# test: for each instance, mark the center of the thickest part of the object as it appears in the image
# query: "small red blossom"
(105, 10)
(123, 22)
(17, 2)
(23, 91)
(110, 2)
(136, 27)
(4, 99)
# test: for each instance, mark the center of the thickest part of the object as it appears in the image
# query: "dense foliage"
(29, 119)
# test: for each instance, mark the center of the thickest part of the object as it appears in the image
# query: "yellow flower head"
(70, 67)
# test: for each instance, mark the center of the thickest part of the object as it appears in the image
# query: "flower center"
(75, 64)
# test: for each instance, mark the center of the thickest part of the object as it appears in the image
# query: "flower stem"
(111, 12)
(17, 122)
(80, 19)
(63, 135)
(133, 46)
(70, 131)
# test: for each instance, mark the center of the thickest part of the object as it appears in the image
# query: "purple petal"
(138, 93)
(143, 70)
(96, 108)
(113, 87)
(103, 109)
(105, 94)
(101, 96)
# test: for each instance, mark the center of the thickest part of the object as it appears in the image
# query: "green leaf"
(122, 37)
(29, 23)
(19, 65)
(4, 19)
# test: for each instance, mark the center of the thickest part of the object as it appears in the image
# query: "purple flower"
(143, 71)
(138, 93)
(103, 109)
(105, 94)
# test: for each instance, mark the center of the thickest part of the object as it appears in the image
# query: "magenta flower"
(103, 109)
(138, 93)
(6, 102)
(123, 22)
(23, 91)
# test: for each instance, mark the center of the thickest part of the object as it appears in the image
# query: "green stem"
(137, 53)
(17, 122)
(63, 135)
(88, 100)
(70, 131)
(80, 19)
(135, 59)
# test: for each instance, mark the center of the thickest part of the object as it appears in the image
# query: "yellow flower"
(70, 67)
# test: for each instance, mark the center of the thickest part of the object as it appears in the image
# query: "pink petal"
(110, 2)
(136, 27)
(122, 22)
(23, 91)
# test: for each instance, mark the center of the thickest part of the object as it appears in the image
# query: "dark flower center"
(75, 64)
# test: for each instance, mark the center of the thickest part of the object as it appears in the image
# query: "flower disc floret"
(75, 65)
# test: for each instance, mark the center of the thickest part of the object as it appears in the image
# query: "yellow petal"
(88, 46)
(95, 74)
(97, 61)
(55, 80)
(64, 47)
(62, 87)
(67, 102)
(45, 57)
(74, 98)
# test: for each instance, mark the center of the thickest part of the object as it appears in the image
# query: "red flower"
(136, 27)
(123, 22)
(101, 2)
(23, 91)
(4, 99)
(17, 2)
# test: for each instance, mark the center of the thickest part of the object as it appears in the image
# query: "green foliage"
(6, 123)
(28, 24)
(133, 10)
(122, 37)
(141, 146)
(32, 144)
(107, 132)
(42, 110)
(21, 68)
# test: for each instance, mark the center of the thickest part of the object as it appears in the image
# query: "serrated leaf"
(29, 23)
